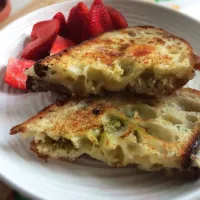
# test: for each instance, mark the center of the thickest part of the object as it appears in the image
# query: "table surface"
(22, 7)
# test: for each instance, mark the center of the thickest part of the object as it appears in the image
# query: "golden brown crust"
(197, 65)
(22, 127)
(106, 56)
(78, 121)
(143, 53)
(17, 129)
(168, 34)
(88, 117)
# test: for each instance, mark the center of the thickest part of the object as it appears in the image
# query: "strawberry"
(117, 18)
(44, 26)
(43, 35)
(97, 2)
(60, 44)
(85, 32)
(71, 14)
(99, 20)
(75, 21)
(14, 75)
(63, 23)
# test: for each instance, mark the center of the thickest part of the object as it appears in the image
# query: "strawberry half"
(99, 20)
(60, 44)
(85, 32)
(75, 21)
(118, 20)
(63, 23)
(96, 2)
(14, 75)
(43, 35)
(42, 27)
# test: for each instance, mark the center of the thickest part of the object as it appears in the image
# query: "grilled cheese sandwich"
(120, 130)
(142, 59)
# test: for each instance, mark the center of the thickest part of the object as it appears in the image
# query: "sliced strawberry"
(85, 32)
(117, 18)
(96, 2)
(60, 44)
(14, 75)
(99, 20)
(43, 36)
(44, 26)
(75, 21)
(63, 23)
(71, 14)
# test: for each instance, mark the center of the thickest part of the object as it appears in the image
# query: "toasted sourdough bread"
(120, 130)
(145, 60)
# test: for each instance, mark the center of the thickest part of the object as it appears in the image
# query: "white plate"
(86, 179)
(193, 11)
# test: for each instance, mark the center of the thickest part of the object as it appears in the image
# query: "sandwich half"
(144, 60)
(120, 130)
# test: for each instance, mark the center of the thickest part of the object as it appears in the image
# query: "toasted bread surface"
(120, 130)
(145, 60)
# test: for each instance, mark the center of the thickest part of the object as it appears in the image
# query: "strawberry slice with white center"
(60, 44)
(14, 75)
